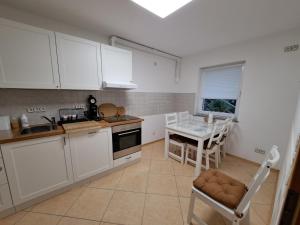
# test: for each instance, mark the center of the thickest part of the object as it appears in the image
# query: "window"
(219, 89)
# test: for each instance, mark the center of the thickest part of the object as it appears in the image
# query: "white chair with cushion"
(211, 148)
(175, 139)
(184, 116)
(226, 134)
(228, 196)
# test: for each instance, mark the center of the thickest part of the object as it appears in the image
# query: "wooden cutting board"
(108, 109)
(121, 111)
(81, 126)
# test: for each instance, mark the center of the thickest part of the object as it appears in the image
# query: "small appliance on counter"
(92, 113)
(69, 115)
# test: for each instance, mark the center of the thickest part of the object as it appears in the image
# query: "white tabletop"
(192, 127)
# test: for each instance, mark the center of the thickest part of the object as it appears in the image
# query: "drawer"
(5, 199)
(3, 179)
(126, 159)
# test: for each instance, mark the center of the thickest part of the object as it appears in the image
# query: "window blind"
(221, 82)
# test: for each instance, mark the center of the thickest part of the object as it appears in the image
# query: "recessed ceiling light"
(162, 8)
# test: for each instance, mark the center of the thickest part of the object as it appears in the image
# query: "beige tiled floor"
(153, 191)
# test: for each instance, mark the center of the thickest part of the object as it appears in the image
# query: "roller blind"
(221, 82)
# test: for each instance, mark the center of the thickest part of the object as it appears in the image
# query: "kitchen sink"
(37, 128)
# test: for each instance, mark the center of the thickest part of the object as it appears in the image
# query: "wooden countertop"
(14, 135)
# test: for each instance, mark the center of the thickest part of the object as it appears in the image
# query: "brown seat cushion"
(221, 187)
(205, 143)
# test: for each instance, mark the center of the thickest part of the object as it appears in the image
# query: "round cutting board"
(107, 109)
(120, 111)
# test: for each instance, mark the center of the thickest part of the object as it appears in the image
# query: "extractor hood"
(113, 84)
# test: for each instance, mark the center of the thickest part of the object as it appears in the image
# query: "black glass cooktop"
(113, 119)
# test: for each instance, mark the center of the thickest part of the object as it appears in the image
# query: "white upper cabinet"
(27, 57)
(79, 63)
(116, 67)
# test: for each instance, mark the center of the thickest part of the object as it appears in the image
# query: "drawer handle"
(93, 132)
(128, 157)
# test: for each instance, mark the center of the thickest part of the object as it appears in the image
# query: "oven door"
(126, 142)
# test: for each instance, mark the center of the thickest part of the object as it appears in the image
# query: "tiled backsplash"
(14, 102)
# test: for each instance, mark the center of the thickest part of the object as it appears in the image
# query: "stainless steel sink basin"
(37, 128)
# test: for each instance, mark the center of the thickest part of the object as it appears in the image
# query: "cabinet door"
(27, 57)
(91, 153)
(79, 63)
(37, 167)
(116, 64)
(5, 199)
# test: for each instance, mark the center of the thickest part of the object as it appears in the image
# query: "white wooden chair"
(198, 118)
(175, 139)
(238, 214)
(226, 133)
(210, 148)
(183, 116)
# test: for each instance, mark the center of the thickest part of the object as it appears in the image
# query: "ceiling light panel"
(162, 8)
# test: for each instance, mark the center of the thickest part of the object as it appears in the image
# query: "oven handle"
(130, 132)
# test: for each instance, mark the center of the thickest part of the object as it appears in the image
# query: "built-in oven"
(127, 139)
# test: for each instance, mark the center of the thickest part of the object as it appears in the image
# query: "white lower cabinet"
(127, 159)
(91, 152)
(5, 198)
(36, 167)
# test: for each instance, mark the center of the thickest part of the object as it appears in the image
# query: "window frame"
(199, 100)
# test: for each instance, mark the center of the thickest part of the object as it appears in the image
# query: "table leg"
(166, 144)
(199, 158)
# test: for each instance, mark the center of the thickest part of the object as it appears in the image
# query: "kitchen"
(83, 109)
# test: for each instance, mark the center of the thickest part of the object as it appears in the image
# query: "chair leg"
(206, 161)
(182, 154)
(246, 219)
(217, 159)
(191, 209)
(186, 155)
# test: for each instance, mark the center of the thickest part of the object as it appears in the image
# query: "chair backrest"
(219, 126)
(183, 116)
(171, 118)
(272, 157)
(228, 127)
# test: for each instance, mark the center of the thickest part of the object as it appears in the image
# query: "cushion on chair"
(205, 144)
(221, 188)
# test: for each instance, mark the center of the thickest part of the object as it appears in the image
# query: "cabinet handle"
(94, 132)
(130, 132)
(128, 157)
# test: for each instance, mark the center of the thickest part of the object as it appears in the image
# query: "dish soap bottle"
(24, 121)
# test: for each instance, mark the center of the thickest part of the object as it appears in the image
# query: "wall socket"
(260, 151)
(291, 48)
(79, 106)
(36, 109)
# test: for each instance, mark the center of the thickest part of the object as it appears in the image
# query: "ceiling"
(200, 25)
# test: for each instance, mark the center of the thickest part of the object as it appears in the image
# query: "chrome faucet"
(51, 121)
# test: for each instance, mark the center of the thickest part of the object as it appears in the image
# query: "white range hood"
(125, 85)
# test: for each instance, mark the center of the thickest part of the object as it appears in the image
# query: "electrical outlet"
(260, 151)
(291, 48)
(79, 106)
(36, 109)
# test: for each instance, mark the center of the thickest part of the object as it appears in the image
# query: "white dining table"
(193, 129)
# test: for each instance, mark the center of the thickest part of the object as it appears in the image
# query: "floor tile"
(147, 151)
(13, 219)
(161, 167)
(184, 185)
(266, 194)
(136, 182)
(38, 219)
(141, 166)
(109, 181)
(263, 211)
(162, 210)
(91, 204)
(182, 169)
(74, 221)
(125, 208)
(201, 210)
(60, 204)
(162, 184)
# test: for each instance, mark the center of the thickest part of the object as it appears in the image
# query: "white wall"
(270, 82)
(285, 170)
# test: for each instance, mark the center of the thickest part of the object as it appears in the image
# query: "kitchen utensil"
(107, 109)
